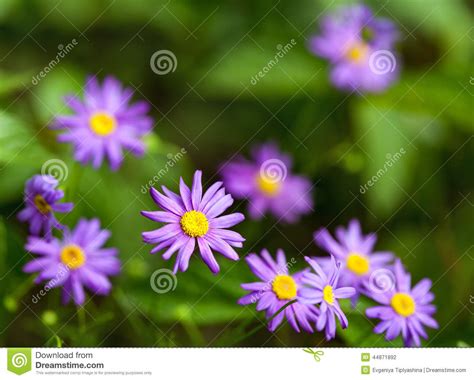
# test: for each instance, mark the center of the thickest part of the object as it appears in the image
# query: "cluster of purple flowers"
(194, 217)
(106, 123)
(102, 127)
(77, 260)
(360, 48)
(353, 269)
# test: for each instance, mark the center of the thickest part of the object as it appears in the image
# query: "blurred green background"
(422, 208)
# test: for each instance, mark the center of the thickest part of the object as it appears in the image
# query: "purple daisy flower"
(322, 289)
(41, 202)
(78, 260)
(105, 123)
(191, 218)
(360, 47)
(267, 185)
(404, 309)
(276, 289)
(355, 253)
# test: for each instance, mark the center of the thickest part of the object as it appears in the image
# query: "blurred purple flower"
(77, 261)
(41, 202)
(322, 289)
(105, 123)
(404, 309)
(193, 217)
(355, 252)
(360, 48)
(267, 184)
(275, 290)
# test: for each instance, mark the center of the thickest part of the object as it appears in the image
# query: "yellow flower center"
(357, 264)
(42, 206)
(194, 223)
(268, 186)
(357, 52)
(284, 287)
(403, 304)
(328, 295)
(102, 124)
(73, 256)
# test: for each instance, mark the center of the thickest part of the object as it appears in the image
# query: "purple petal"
(185, 195)
(196, 193)
(341, 316)
(227, 220)
(77, 291)
(345, 292)
(381, 312)
(217, 196)
(324, 239)
(291, 317)
(316, 268)
(248, 299)
(310, 296)
(226, 235)
(331, 325)
(178, 243)
(166, 203)
(185, 254)
(105, 265)
(63, 207)
(267, 299)
(207, 255)
(161, 216)
(321, 323)
(259, 268)
(38, 265)
(393, 330)
(382, 326)
(427, 320)
(163, 233)
(255, 286)
(221, 246)
(220, 206)
(421, 288)
(276, 321)
(209, 194)
(95, 281)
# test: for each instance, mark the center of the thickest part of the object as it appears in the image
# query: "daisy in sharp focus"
(104, 124)
(276, 288)
(77, 261)
(42, 200)
(404, 310)
(194, 218)
(360, 48)
(322, 288)
(268, 185)
(354, 251)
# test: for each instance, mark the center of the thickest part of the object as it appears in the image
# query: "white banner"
(236, 363)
